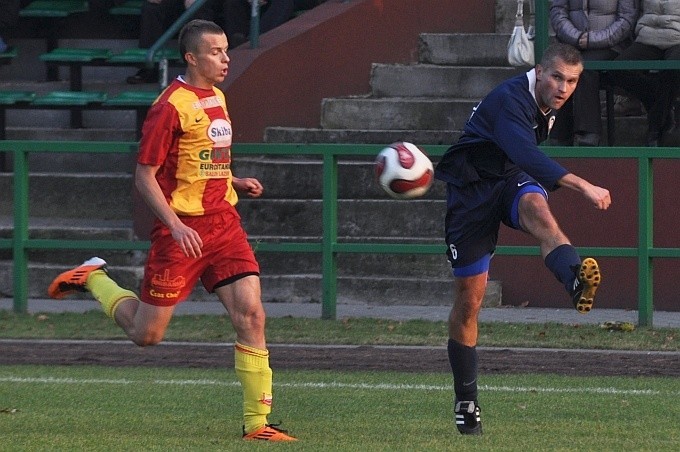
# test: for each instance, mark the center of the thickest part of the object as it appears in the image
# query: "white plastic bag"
(521, 45)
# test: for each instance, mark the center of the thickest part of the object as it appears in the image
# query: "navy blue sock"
(561, 261)
(463, 361)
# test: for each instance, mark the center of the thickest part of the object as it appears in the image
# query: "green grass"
(213, 328)
(101, 409)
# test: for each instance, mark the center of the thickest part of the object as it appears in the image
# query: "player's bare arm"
(187, 238)
(248, 185)
(599, 196)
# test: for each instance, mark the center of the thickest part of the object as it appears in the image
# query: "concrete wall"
(328, 52)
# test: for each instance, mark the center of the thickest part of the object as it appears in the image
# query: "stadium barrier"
(328, 246)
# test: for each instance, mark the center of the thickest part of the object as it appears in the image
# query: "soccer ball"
(404, 171)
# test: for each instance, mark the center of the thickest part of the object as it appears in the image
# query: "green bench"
(48, 11)
(12, 98)
(75, 59)
(140, 101)
(127, 8)
(138, 56)
(53, 8)
(76, 102)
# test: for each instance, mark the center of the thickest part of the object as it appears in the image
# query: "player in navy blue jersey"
(496, 173)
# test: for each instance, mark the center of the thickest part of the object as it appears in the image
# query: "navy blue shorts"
(473, 217)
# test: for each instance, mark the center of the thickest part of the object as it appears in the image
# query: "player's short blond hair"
(561, 52)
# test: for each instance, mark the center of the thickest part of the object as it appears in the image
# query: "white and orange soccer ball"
(404, 171)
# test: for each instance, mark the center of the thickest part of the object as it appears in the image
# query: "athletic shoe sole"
(589, 275)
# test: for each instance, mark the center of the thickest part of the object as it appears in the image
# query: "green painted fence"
(328, 245)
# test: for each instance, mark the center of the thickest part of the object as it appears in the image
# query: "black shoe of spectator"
(143, 75)
(586, 139)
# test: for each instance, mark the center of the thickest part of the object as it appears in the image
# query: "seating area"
(48, 16)
(76, 102)
(63, 23)
(127, 8)
(75, 59)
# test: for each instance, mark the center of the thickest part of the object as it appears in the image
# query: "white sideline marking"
(336, 385)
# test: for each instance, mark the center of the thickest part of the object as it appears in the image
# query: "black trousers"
(656, 90)
(272, 14)
(156, 18)
(9, 13)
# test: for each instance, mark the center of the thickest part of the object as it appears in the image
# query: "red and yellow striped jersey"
(187, 132)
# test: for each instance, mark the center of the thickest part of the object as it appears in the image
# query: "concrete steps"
(427, 102)
(293, 288)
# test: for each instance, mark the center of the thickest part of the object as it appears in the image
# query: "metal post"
(541, 20)
(163, 73)
(255, 24)
(20, 235)
(330, 236)
(645, 241)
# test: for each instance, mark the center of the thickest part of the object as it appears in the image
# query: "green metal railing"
(328, 246)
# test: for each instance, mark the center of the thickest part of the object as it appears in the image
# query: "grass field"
(100, 409)
(361, 331)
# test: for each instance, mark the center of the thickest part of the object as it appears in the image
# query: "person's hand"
(599, 196)
(188, 240)
(250, 186)
(583, 41)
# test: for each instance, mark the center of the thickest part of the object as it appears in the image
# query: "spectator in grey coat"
(601, 29)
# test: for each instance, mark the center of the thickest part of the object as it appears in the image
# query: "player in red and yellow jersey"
(184, 175)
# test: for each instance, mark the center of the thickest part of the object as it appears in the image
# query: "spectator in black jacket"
(9, 16)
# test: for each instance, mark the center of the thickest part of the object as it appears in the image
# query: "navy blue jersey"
(501, 138)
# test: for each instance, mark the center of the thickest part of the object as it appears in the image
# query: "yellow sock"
(107, 292)
(252, 370)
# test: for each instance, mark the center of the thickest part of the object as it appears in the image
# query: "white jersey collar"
(531, 77)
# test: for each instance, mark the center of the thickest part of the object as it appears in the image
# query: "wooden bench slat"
(135, 56)
(68, 55)
(133, 98)
(128, 8)
(70, 98)
(53, 8)
(14, 97)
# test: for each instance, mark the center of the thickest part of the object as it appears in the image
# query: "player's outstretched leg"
(587, 281)
(91, 276)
